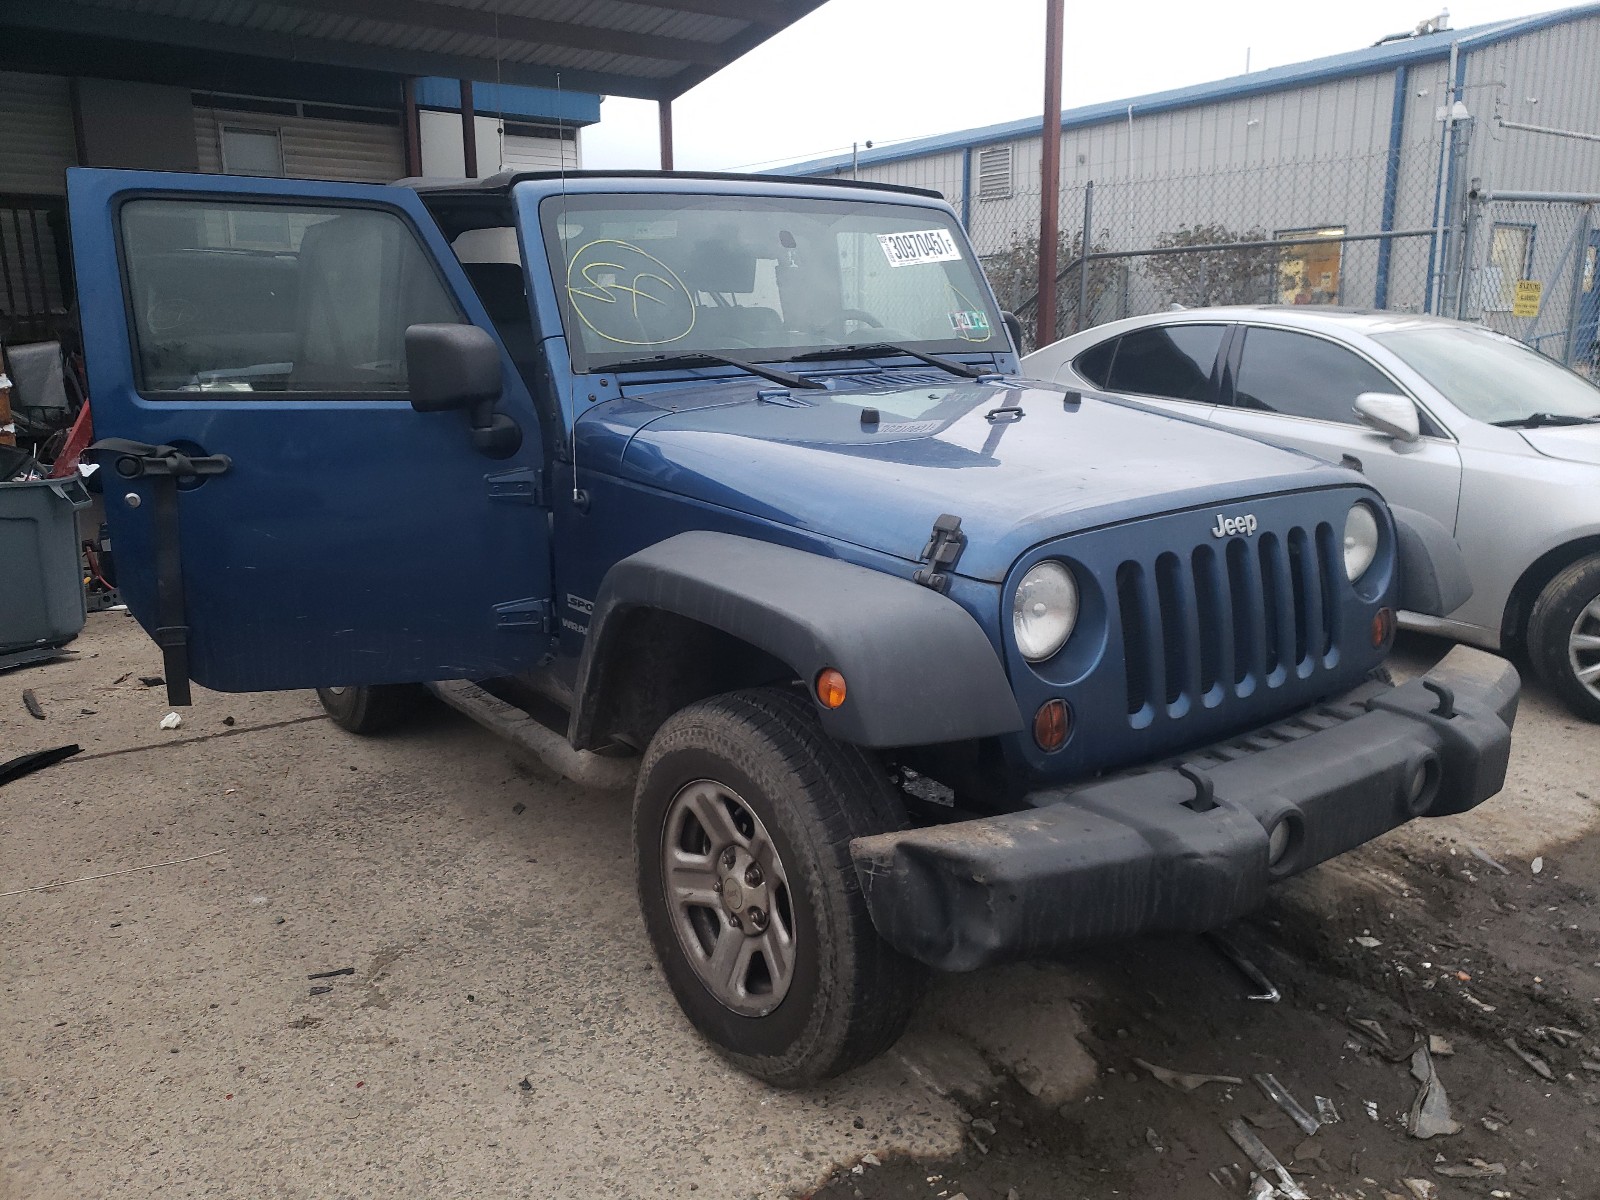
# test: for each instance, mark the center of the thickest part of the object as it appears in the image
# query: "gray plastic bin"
(41, 582)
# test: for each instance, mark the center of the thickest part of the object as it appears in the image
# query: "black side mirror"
(458, 367)
(1014, 328)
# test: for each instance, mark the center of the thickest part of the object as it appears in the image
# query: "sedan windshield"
(760, 278)
(1491, 377)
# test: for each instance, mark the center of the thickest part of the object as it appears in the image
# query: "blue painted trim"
(514, 100)
(1368, 61)
(966, 189)
(1391, 183)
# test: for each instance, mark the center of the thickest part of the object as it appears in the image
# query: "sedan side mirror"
(458, 366)
(1394, 416)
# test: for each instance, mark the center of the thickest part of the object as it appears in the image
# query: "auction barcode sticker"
(918, 246)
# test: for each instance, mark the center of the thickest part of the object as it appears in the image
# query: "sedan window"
(1303, 376)
(1174, 361)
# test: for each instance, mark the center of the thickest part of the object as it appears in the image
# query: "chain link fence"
(1315, 231)
(1399, 230)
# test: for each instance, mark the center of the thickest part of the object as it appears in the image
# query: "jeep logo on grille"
(1231, 526)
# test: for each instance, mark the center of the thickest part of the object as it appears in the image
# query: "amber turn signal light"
(830, 688)
(1382, 627)
(1051, 725)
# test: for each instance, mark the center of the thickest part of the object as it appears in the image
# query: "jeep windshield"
(768, 278)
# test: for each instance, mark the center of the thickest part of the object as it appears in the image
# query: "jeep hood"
(1019, 463)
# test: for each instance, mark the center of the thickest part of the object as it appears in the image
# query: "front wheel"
(1564, 637)
(371, 710)
(742, 824)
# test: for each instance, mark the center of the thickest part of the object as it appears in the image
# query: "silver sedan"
(1496, 442)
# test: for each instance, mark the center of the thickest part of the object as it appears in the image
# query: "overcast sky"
(888, 70)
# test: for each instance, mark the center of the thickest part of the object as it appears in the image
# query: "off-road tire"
(372, 710)
(1550, 631)
(851, 994)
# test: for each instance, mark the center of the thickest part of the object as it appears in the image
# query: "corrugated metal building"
(1330, 181)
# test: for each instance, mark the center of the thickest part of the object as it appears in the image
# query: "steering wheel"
(858, 314)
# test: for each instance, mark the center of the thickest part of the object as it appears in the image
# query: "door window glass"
(1094, 364)
(1303, 376)
(1170, 360)
(283, 299)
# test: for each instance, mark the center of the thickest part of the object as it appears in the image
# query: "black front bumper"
(1185, 846)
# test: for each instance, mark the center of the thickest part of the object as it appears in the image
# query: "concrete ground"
(503, 1029)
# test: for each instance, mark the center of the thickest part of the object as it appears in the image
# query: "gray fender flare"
(1431, 570)
(918, 669)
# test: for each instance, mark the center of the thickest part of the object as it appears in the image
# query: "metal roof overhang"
(651, 49)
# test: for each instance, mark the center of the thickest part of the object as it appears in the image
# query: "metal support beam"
(1050, 173)
(469, 131)
(413, 126)
(664, 114)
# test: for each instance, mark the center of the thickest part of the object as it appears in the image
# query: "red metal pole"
(469, 131)
(664, 108)
(413, 126)
(1050, 173)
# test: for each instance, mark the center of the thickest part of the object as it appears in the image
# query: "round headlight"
(1044, 610)
(1360, 540)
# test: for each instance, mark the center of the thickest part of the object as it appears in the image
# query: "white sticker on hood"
(919, 246)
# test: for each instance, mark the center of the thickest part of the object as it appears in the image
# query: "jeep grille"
(1227, 618)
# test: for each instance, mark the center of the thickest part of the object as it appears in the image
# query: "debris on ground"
(1422, 1189)
(519, 808)
(1367, 942)
(1265, 1161)
(149, 681)
(1440, 1047)
(26, 764)
(1280, 1096)
(1183, 1081)
(1473, 1168)
(31, 703)
(1537, 865)
(332, 974)
(321, 991)
(1327, 1113)
(1486, 860)
(1430, 1111)
(171, 721)
(1266, 992)
(1540, 1067)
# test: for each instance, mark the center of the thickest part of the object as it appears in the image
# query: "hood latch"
(941, 553)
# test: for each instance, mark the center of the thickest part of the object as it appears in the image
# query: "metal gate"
(1531, 269)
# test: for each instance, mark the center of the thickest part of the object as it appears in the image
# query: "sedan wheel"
(1564, 636)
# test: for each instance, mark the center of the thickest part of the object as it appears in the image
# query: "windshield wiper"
(867, 349)
(1535, 420)
(665, 362)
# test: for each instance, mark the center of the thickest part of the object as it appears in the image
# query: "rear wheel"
(371, 710)
(743, 818)
(1564, 637)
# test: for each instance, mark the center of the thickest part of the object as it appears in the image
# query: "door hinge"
(521, 485)
(941, 553)
(523, 614)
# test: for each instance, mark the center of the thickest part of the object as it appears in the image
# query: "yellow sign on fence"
(1526, 301)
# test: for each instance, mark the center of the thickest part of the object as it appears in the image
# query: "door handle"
(136, 460)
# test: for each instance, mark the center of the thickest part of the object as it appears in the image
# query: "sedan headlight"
(1360, 540)
(1044, 610)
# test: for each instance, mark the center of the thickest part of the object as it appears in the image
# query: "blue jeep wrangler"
(726, 488)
